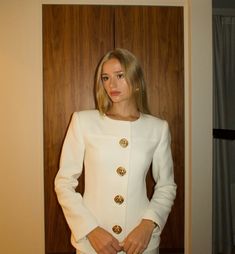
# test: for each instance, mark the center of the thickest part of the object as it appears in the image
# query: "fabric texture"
(155, 251)
(94, 140)
(223, 150)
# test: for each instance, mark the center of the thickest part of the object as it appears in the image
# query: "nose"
(113, 82)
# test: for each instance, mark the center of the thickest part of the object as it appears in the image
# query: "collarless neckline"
(122, 120)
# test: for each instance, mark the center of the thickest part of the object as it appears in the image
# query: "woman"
(117, 144)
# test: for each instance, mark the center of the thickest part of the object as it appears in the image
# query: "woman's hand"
(137, 241)
(103, 242)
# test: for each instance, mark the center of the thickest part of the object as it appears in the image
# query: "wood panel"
(74, 39)
(155, 36)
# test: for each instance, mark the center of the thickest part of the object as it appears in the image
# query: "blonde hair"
(133, 75)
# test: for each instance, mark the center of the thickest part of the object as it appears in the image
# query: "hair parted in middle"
(133, 75)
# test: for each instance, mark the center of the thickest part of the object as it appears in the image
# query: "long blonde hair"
(134, 77)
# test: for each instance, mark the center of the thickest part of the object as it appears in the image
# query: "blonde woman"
(117, 144)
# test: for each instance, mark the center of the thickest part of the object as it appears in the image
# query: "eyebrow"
(114, 72)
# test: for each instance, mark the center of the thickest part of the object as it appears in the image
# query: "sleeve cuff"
(150, 215)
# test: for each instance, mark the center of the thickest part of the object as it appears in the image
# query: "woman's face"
(114, 82)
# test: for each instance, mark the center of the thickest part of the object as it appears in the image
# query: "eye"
(120, 76)
(104, 78)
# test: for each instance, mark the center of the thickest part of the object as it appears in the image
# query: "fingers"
(134, 248)
(103, 242)
(116, 245)
(137, 240)
(108, 250)
(133, 244)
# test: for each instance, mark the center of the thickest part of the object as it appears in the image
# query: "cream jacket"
(116, 155)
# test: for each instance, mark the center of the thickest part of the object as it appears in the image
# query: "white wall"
(21, 129)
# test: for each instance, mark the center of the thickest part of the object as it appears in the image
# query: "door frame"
(187, 94)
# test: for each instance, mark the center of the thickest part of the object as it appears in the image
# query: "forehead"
(112, 65)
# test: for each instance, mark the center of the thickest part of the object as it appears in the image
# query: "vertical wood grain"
(155, 36)
(74, 39)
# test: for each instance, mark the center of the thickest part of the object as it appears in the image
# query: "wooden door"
(155, 36)
(74, 39)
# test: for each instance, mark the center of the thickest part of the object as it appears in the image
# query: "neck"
(124, 112)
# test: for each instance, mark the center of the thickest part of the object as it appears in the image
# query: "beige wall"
(21, 129)
(201, 43)
(21, 165)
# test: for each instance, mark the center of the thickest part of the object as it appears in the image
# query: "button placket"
(121, 171)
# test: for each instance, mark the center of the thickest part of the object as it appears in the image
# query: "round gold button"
(117, 229)
(121, 171)
(123, 142)
(119, 199)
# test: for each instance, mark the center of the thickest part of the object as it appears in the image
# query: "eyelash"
(104, 78)
(118, 76)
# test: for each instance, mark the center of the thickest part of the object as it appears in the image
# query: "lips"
(114, 93)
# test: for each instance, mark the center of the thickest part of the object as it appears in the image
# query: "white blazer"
(116, 155)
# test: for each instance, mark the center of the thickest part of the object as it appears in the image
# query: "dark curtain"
(224, 118)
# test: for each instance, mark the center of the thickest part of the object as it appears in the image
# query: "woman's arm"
(165, 188)
(162, 200)
(78, 217)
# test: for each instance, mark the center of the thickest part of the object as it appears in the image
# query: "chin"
(115, 99)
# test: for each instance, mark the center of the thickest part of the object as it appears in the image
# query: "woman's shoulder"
(151, 119)
(155, 125)
(88, 113)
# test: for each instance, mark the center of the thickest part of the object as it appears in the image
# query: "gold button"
(117, 229)
(123, 142)
(121, 171)
(119, 199)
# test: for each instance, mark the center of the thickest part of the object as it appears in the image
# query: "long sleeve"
(94, 141)
(78, 217)
(165, 188)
